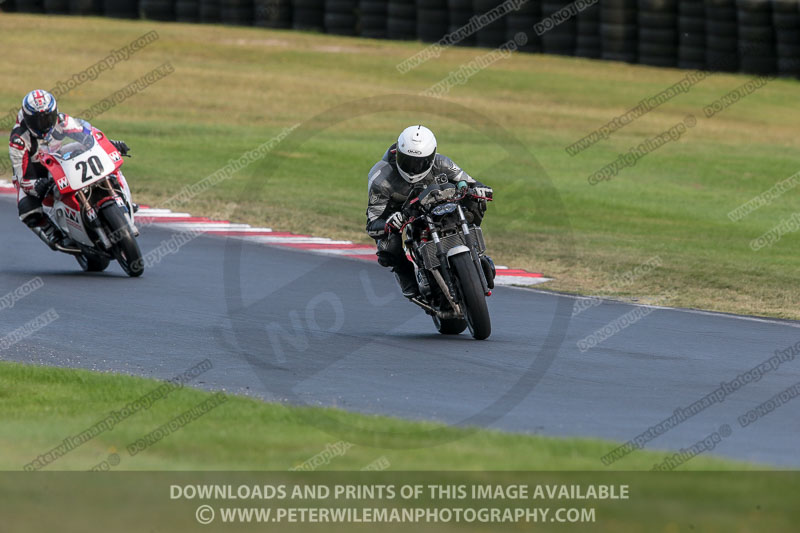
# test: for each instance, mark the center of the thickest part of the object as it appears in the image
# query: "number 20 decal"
(94, 164)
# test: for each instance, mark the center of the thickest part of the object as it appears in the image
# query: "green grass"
(41, 406)
(234, 88)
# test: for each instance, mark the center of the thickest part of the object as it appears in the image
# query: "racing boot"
(407, 279)
(488, 270)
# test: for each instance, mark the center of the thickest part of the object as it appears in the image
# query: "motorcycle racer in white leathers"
(38, 124)
(409, 165)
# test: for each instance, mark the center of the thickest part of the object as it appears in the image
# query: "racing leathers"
(30, 177)
(388, 191)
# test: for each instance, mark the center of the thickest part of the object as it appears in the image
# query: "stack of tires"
(272, 13)
(401, 20)
(658, 32)
(618, 30)
(187, 10)
(236, 12)
(460, 14)
(308, 15)
(756, 37)
(523, 20)
(86, 7)
(157, 9)
(56, 7)
(372, 18)
(559, 32)
(721, 41)
(786, 21)
(340, 17)
(29, 6)
(587, 32)
(492, 34)
(433, 20)
(691, 34)
(209, 10)
(127, 9)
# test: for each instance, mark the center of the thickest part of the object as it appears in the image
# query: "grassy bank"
(42, 406)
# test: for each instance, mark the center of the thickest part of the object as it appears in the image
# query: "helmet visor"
(413, 165)
(41, 123)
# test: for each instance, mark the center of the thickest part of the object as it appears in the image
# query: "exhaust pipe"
(66, 250)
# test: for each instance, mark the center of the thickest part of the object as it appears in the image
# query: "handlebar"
(409, 206)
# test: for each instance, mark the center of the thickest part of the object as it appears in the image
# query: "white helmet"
(416, 150)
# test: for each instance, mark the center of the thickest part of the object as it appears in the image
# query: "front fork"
(91, 214)
(442, 256)
(443, 275)
(93, 220)
(472, 245)
(123, 195)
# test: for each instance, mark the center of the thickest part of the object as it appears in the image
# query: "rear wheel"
(92, 262)
(125, 248)
(472, 296)
(449, 326)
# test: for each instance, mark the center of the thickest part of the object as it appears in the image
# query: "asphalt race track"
(291, 326)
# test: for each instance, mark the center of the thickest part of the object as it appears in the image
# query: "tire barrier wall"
(751, 36)
(618, 30)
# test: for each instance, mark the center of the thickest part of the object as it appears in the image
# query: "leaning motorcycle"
(453, 274)
(91, 201)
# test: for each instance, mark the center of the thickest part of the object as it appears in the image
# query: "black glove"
(41, 187)
(121, 147)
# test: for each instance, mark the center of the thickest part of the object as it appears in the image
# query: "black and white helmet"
(39, 112)
(416, 151)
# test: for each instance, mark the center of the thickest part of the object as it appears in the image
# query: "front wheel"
(124, 246)
(472, 296)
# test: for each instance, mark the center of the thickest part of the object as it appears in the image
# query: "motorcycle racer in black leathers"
(409, 165)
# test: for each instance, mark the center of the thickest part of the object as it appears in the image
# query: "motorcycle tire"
(472, 296)
(125, 249)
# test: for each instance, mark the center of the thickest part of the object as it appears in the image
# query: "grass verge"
(42, 406)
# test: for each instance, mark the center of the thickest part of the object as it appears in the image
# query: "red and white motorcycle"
(91, 201)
